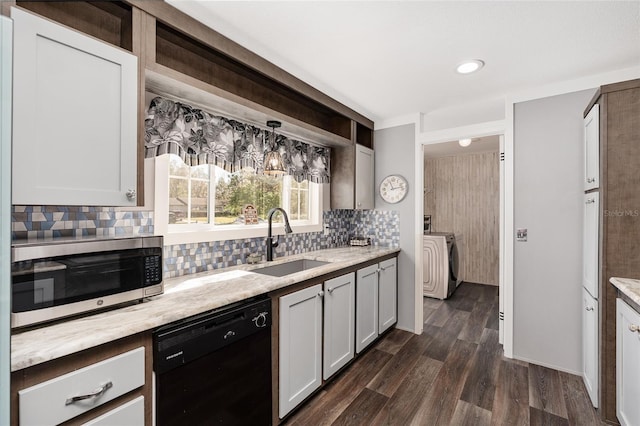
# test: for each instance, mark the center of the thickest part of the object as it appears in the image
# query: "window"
(205, 203)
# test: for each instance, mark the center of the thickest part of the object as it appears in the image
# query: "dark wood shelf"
(364, 135)
(186, 55)
(109, 21)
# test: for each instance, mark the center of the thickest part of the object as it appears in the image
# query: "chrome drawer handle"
(95, 394)
(634, 328)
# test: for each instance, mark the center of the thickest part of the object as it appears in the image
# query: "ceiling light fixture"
(464, 142)
(273, 164)
(468, 67)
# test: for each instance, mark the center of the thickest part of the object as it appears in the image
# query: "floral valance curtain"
(202, 138)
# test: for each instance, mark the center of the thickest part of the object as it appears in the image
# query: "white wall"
(548, 201)
(394, 154)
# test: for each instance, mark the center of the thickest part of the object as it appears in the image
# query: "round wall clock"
(393, 188)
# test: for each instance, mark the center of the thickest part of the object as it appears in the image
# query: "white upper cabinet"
(364, 178)
(592, 149)
(74, 117)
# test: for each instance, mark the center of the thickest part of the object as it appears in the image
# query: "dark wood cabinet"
(619, 215)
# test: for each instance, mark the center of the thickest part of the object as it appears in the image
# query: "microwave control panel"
(153, 269)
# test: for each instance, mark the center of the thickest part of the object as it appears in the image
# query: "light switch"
(521, 234)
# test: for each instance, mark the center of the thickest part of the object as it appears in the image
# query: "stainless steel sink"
(287, 268)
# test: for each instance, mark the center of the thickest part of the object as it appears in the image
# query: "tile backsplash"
(40, 222)
(45, 222)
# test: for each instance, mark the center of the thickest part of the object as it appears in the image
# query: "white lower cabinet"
(376, 301)
(130, 413)
(627, 364)
(590, 345)
(300, 335)
(322, 327)
(387, 294)
(65, 397)
(366, 306)
(339, 323)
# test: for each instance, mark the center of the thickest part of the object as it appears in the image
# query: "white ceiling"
(387, 59)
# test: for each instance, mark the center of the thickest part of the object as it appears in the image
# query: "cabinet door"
(590, 345)
(364, 177)
(590, 243)
(300, 346)
(74, 117)
(129, 413)
(627, 364)
(366, 306)
(387, 295)
(339, 323)
(592, 149)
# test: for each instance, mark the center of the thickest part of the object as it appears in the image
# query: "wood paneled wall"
(462, 195)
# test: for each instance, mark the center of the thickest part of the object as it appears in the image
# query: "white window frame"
(195, 233)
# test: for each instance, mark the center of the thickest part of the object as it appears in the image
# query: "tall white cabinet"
(74, 117)
(627, 364)
(590, 256)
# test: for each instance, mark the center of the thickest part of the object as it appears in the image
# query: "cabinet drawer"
(130, 413)
(51, 402)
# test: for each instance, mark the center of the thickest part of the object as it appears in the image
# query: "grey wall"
(394, 154)
(548, 202)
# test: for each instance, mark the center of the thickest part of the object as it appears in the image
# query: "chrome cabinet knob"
(634, 328)
(591, 180)
(321, 293)
(590, 201)
(589, 308)
(131, 194)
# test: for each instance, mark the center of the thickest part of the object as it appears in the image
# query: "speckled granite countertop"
(629, 287)
(183, 297)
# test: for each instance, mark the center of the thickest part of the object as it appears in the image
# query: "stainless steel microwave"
(62, 278)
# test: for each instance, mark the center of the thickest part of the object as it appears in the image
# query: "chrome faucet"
(270, 243)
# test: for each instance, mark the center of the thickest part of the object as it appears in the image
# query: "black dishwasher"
(215, 368)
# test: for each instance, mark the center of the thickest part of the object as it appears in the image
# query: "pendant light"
(273, 164)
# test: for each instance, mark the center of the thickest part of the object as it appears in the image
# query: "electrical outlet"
(521, 234)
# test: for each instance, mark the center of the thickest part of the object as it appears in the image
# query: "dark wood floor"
(452, 374)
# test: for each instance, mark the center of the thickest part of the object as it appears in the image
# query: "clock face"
(393, 188)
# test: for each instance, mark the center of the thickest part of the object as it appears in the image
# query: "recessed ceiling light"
(464, 142)
(468, 67)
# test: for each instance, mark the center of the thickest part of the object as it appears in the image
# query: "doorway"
(463, 193)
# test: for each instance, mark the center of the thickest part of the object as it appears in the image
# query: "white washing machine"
(440, 265)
